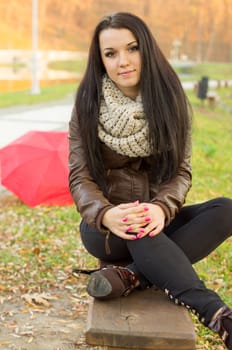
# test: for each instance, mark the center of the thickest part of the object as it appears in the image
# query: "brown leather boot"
(111, 282)
(222, 324)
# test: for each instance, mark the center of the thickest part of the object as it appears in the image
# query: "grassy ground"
(47, 94)
(212, 177)
(215, 71)
(71, 66)
(212, 142)
(39, 247)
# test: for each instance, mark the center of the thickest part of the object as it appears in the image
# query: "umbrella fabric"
(35, 168)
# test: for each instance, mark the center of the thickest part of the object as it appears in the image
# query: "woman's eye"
(109, 54)
(134, 48)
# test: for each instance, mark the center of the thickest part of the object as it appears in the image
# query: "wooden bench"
(142, 320)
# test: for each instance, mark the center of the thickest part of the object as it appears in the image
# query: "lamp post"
(35, 89)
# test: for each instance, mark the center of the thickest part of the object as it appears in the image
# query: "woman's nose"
(123, 59)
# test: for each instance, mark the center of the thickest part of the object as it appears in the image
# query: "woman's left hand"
(151, 222)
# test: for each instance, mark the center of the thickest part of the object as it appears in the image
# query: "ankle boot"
(222, 324)
(111, 282)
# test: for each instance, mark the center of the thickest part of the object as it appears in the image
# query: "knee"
(226, 204)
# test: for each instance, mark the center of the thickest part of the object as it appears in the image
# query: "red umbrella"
(35, 168)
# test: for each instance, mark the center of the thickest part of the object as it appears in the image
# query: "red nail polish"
(151, 234)
(128, 229)
(124, 219)
(134, 238)
(146, 208)
(142, 231)
(147, 219)
(139, 235)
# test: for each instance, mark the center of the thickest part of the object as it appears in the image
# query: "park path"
(15, 121)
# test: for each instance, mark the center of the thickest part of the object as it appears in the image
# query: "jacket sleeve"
(88, 197)
(172, 194)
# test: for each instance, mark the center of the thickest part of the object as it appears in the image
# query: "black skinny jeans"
(166, 259)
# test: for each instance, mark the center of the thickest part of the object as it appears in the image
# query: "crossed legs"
(166, 259)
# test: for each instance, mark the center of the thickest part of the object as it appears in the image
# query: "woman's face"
(121, 58)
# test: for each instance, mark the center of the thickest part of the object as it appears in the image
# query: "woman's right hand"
(118, 219)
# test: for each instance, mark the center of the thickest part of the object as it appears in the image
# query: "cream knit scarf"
(122, 125)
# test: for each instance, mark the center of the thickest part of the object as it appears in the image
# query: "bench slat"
(143, 320)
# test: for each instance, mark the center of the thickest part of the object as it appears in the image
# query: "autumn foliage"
(203, 28)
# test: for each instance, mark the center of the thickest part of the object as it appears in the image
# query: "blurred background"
(48, 40)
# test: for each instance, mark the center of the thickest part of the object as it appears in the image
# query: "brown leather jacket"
(127, 180)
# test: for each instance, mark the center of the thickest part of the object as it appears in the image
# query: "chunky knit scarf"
(122, 125)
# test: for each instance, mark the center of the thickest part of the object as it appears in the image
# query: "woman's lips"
(128, 72)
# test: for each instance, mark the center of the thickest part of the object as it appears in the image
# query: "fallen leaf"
(38, 299)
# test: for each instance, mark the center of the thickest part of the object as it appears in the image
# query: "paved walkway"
(16, 121)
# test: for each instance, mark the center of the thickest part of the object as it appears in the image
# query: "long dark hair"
(165, 104)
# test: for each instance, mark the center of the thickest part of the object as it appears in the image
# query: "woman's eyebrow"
(131, 43)
(108, 48)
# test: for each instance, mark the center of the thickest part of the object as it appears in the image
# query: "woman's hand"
(157, 220)
(135, 220)
(116, 220)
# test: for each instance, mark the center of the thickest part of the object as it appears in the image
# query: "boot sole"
(98, 286)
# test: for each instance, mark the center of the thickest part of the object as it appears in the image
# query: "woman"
(130, 173)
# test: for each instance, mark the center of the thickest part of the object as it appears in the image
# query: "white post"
(35, 89)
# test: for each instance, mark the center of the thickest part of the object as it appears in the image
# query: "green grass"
(215, 71)
(12, 66)
(47, 94)
(212, 177)
(211, 155)
(53, 92)
(77, 66)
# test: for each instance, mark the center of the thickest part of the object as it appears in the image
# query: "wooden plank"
(143, 320)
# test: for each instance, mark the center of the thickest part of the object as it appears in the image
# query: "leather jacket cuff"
(100, 215)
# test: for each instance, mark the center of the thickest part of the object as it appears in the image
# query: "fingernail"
(147, 219)
(128, 229)
(134, 238)
(151, 234)
(124, 219)
(142, 231)
(146, 208)
(139, 235)
(136, 202)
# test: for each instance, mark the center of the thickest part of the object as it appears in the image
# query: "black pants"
(166, 259)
